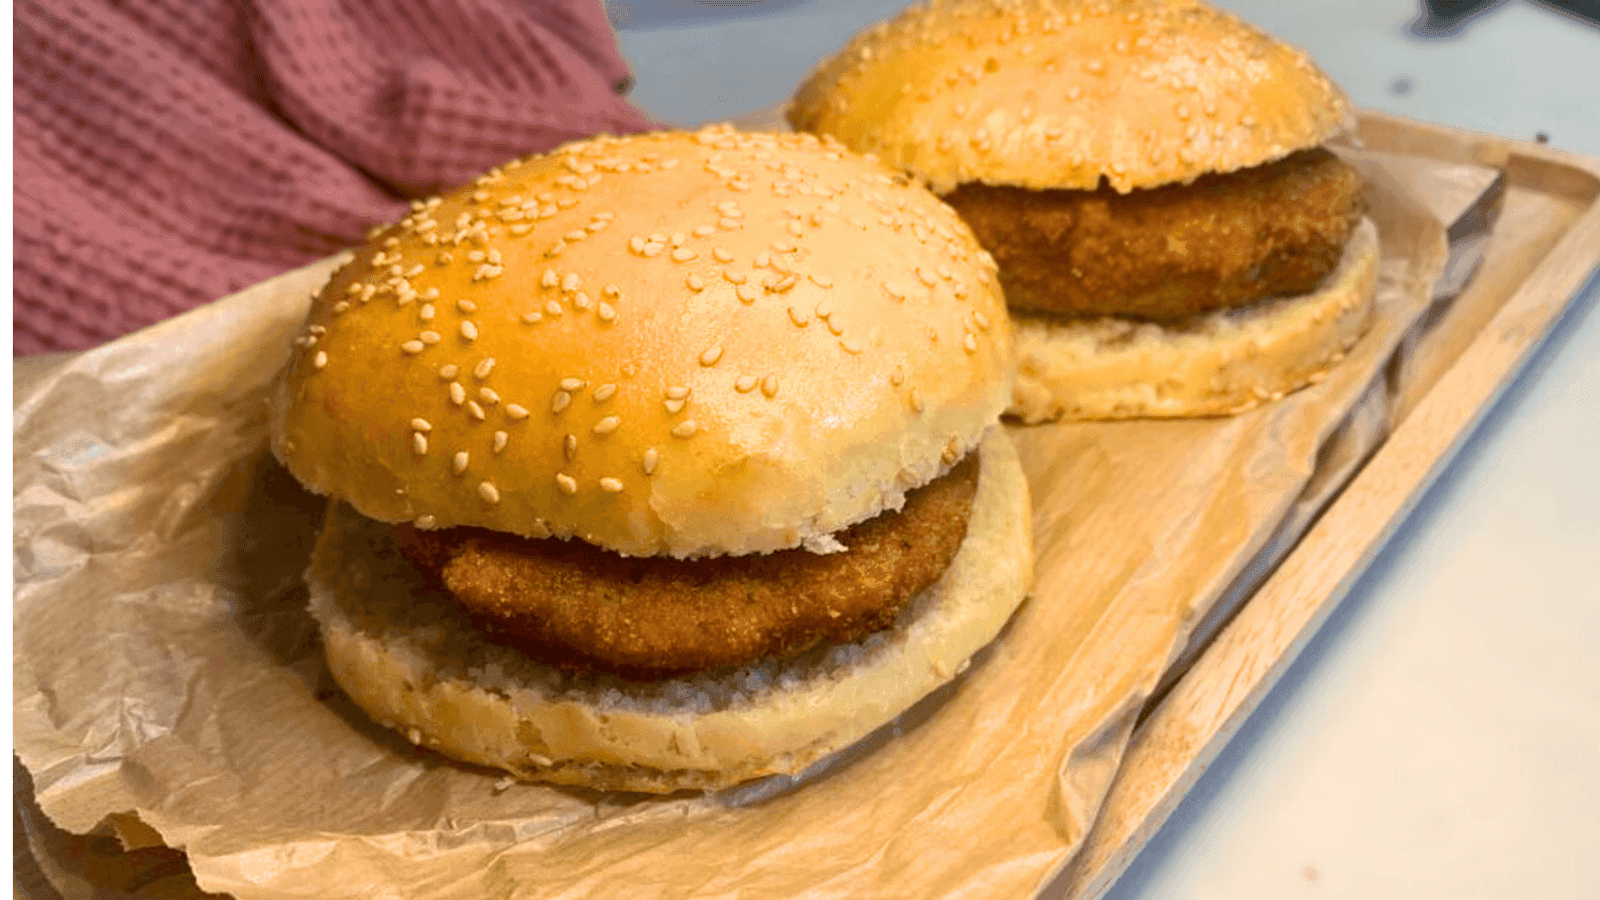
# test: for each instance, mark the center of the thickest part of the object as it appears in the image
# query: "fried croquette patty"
(1169, 252)
(579, 607)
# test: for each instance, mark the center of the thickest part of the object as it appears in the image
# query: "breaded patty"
(1169, 252)
(580, 607)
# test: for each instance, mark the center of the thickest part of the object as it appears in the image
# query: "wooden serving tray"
(1545, 243)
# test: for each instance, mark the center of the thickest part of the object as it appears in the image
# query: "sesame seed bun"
(1073, 95)
(668, 344)
(1049, 94)
(409, 658)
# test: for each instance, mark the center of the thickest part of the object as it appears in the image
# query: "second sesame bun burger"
(1172, 238)
(659, 462)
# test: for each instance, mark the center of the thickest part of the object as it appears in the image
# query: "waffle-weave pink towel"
(169, 152)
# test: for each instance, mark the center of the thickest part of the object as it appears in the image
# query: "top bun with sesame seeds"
(1139, 93)
(678, 344)
(1148, 174)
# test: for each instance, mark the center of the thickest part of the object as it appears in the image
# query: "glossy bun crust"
(684, 344)
(1062, 93)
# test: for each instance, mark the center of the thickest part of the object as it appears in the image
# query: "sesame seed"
(516, 412)
(733, 277)
(488, 396)
(426, 313)
(476, 410)
(897, 377)
(744, 384)
(721, 255)
(480, 196)
(553, 308)
(970, 343)
(571, 282)
(798, 318)
(431, 294)
(320, 360)
(459, 463)
(469, 330)
(569, 446)
(521, 228)
(604, 392)
(894, 290)
(413, 346)
(611, 485)
(458, 394)
(572, 384)
(500, 439)
(694, 282)
(916, 400)
(476, 256)
(769, 386)
(684, 429)
(611, 290)
(850, 346)
(674, 406)
(484, 367)
(488, 492)
(710, 355)
(606, 425)
(821, 280)
(429, 337)
(784, 284)
(568, 484)
(676, 392)
(747, 293)
(651, 457)
(705, 231)
(426, 522)
(580, 300)
(419, 443)
(562, 401)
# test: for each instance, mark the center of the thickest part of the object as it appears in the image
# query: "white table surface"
(1440, 737)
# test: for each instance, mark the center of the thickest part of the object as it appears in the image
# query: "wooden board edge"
(1184, 734)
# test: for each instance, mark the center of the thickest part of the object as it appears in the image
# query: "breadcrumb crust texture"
(1046, 94)
(688, 344)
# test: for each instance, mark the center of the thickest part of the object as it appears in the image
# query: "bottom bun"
(408, 656)
(1217, 364)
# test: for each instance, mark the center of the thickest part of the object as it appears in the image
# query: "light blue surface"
(1440, 736)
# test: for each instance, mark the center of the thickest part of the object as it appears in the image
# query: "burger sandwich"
(1173, 238)
(659, 462)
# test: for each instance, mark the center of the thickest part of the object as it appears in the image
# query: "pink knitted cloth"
(169, 152)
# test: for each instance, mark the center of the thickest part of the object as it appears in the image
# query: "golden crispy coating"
(574, 605)
(1170, 252)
